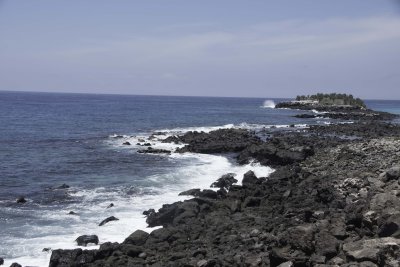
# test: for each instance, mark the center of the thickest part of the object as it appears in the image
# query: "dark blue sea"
(47, 140)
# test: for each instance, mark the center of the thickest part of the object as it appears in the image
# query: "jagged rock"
(207, 193)
(21, 200)
(46, 250)
(110, 206)
(83, 240)
(170, 212)
(249, 179)
(109, 219)
(106, 249)
(15, 265)
(381, 251)
(390, 226)
(225, 181)
(393, 173)
(301, 237)
(126, 143)
(1, 261)
(148, 212)
(219, 141)
(137, 238)
(287, 254)
(191, 192)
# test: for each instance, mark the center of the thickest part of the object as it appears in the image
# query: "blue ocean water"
(47, 140)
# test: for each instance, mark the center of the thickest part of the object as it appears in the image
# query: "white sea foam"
(199, 171)
(268, 104)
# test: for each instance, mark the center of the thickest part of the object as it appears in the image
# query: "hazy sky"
(253, 48)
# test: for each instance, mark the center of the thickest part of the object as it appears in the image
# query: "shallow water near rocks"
(47, 140)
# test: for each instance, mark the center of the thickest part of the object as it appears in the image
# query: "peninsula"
(333, 200)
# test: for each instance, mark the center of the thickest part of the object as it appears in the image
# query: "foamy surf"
(193, 171)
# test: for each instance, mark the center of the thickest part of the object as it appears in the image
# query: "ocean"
(47, 140)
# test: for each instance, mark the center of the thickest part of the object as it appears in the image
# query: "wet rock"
(148, 212)
(137, 238)
(169, 212)
(46, 250)
(1, 261)
(249, 179)
(15, 265)
(191, 192)
(72, 213)
(63, 258)
(83, 240)
(63, 186)
(110, 206)
(106, 249)
(109, 219)
(305, 116)
(208, 193)
(225, 181)
(126, 143)
(21, 200)
(151, 150)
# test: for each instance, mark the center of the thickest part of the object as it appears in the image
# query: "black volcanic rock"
(151, 150)
(83, 240)
(332, 201)
(225, 181)
(107, 220)
(21, 200)
(219, 141)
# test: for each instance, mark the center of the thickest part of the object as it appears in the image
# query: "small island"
(334, 106)
(325, 102)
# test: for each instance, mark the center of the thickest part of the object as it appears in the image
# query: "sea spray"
(268, 104)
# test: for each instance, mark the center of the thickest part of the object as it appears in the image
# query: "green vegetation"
(334, 99)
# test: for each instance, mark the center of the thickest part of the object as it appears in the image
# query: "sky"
(234, 48)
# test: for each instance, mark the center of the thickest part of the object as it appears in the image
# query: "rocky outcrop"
(332, 201)
(84, 240)
(219, 141)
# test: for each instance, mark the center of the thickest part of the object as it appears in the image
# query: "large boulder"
(83, 240)
(381, 251)
(225, 181)
(393, 173)
(137, 238)
(169, 212)
(249, 179)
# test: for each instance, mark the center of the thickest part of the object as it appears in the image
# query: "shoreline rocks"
(332, 201)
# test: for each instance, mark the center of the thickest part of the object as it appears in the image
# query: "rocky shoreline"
(334, 200)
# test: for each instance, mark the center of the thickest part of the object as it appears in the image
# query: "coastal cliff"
(333, 200)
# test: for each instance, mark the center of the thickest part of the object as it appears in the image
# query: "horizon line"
(155, 95)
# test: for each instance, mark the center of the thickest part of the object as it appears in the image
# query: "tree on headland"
(333, 99)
